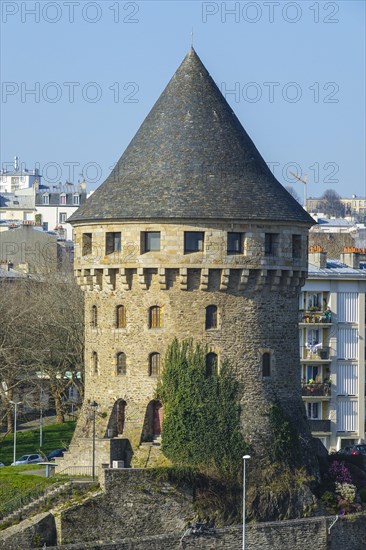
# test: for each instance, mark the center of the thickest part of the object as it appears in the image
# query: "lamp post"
(94, 406)
(15, 403)
(245, 458)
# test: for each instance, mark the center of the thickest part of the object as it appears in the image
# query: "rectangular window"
(314, 411)
(193, 241)
(270, 244)
(112, 242)
(45, 199)
(86, 244)
(235, 243)
(296, 246)
(62, 217)
(62, 199)
(151, 241)
(76, 200)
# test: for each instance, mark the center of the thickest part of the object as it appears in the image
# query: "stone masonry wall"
(349, 533)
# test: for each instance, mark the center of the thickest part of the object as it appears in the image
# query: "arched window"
(266, 364)
(121, 364)
(95, 362)
(211, 317)
(94, 317)
(211, 364)
(154, 364)
(120, 317)
(155, 317)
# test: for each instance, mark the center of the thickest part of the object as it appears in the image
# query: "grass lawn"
(54, 437)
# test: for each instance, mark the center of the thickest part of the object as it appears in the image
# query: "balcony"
(315, 318)
(315, 352)
(319, 426)
(315, 389)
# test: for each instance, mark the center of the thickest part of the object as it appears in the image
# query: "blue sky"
(294, 73)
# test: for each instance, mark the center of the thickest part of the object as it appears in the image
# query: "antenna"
(304, 181)
(192, 35)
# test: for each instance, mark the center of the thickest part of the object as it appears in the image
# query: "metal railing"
(315, 317)
(85, 471)
(315, 389)
(315, 352)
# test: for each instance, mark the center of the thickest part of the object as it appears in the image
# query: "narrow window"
(296, 246)
(112, 242)
(313, 411)
(46, 199)
(120, 317)
(95, 362)
(266, 365)
(235, 243)
(154, 364)
(211, 317)
(193, 241)
(86, 244)
(121, 364)
(211, 364)
(155, 317)
(151, 240)
(270, 244)
(62, 217)
(62, 199)
(94, 320)
(76, 200)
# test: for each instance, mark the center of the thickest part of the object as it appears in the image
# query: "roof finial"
(192, 38)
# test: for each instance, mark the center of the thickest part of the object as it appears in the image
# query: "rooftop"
(192, 159)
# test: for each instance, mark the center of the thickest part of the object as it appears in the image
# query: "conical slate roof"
(191, 159)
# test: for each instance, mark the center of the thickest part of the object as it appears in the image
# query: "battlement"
(211, 279)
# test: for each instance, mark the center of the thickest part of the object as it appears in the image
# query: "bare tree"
(331, 205)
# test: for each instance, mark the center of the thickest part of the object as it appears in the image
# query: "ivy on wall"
(286, 444)
(201, 425)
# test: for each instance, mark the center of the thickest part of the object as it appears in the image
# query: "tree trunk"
(60, 417)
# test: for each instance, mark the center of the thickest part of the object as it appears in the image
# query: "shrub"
(339, 472)
(346, 491)
(286, 445)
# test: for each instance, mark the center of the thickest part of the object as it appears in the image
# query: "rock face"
(191, 236)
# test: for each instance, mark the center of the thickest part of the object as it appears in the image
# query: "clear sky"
(294, 73)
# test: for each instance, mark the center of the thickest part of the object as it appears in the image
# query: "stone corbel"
(123, 279)
(183, 273)
(261, 279)
(141, 278)
(224, 282)
(204, 279)
(162, 278)
(244, 276)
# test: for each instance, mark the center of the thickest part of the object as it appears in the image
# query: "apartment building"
(332, 348)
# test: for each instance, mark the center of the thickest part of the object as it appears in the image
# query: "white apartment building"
(17, 177)
(332, 348)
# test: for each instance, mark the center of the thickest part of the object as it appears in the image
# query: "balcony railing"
(318, 317)
(315, 389)
(319, 425)
(315, 352)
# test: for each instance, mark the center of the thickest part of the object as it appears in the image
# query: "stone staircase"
(149, 455)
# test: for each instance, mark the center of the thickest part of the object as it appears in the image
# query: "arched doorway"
(157, 418)
(120, 415)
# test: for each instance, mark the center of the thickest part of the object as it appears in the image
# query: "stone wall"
(30, 533)
(349, 533)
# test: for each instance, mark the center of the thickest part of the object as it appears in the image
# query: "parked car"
(56, 454)
(28, 459)
(2, 464)
(353, 450)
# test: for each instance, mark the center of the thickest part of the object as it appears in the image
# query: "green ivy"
(286, 444)
(201, 425)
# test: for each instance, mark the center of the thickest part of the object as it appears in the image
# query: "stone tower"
(190, 236)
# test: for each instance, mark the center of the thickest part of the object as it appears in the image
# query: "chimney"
(317, 256)
(351, 257)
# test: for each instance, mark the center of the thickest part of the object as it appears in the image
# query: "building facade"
(191, 236)
(332, 348)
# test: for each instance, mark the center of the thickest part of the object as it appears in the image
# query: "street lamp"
(94, 406)
(15, 403)
(245, 458)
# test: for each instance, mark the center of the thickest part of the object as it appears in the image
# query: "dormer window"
(46, 199)
(76, 200)
(63, 198)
